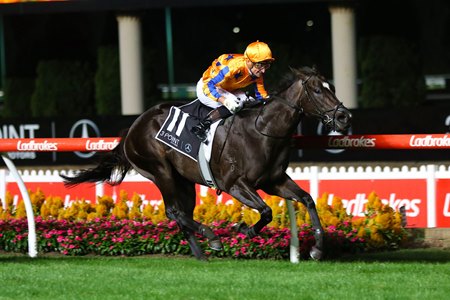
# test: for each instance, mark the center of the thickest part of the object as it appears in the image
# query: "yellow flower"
(135, 211)
(121, 209)
(383, 221)
(374, 203)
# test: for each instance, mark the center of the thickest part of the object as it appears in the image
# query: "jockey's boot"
(201, 130)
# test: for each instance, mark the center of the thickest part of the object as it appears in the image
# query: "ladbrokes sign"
(38, 139)
(424, 194)
(37, 146)
(429, 141)
(336, 148)
(346, 142)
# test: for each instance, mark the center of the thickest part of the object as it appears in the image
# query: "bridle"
(328, 121)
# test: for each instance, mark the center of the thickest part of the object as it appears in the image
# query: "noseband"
(328, 121)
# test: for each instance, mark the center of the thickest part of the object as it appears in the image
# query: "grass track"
(405, 274)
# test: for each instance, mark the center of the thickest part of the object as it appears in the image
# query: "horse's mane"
(289, 78)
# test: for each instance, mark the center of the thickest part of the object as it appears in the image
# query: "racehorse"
(250, 152)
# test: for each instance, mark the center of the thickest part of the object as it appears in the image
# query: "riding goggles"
(261, 65)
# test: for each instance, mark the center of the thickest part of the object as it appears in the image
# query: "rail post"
(32, 247)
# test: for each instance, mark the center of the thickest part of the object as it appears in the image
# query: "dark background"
(200, 33)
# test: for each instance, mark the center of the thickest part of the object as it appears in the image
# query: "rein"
(326, 119)
(298, 110)
(322, 115)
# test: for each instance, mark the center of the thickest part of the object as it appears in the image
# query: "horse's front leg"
(250, 197)
(289, 190)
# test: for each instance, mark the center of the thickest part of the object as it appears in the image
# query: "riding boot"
(201, 129)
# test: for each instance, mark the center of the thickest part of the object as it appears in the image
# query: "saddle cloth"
(176, 133)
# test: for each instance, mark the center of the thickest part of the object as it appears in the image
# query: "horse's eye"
(317, 90)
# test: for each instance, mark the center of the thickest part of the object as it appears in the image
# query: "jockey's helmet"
(258, 52)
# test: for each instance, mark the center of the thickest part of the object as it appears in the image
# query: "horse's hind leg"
(250, 197)
(179, 198)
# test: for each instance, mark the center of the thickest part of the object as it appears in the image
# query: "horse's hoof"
(241, 227)
(216, 244)
(315, 253)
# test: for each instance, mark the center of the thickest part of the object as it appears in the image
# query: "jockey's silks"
(229, 72)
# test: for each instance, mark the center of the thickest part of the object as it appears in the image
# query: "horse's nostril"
(343, 116)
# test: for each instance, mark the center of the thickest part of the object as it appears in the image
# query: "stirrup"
(201, 130)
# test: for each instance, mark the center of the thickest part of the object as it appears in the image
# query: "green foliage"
(405, 274)
(390, 72)
(17, 97)
(63, 88)
(111, 236)
(107, 81)
(152, 95)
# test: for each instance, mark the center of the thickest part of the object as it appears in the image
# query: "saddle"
(176, 133)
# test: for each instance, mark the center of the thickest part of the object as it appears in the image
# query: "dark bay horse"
(250, 153)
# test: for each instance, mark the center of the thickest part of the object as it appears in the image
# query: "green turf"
(405, 274)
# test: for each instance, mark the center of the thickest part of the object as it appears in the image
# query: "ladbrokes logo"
(85, 128)
(33, 146)
(346, 142)
(357, 205)
(101, 145)
(429, 141)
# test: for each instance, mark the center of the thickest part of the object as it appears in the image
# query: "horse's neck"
(277, 119)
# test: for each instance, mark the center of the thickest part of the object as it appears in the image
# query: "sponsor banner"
(31, 143)
(59, 144)
(147, 190)
(443, 202)
(407, 138)
(410, 193)
(365, 123)
(227, 199)
(379, 141)
(85, 192)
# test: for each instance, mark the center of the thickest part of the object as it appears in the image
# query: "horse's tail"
(111, 168)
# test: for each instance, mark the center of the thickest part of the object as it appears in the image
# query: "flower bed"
(128, 228)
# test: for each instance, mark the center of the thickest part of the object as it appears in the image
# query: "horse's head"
(312, 94)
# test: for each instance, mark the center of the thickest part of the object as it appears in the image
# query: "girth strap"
(205, 170)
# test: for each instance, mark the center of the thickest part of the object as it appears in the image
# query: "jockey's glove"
(233, 105)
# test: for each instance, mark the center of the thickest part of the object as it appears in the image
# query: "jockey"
(219, 87)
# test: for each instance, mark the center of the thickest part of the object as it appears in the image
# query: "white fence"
(424, 191)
